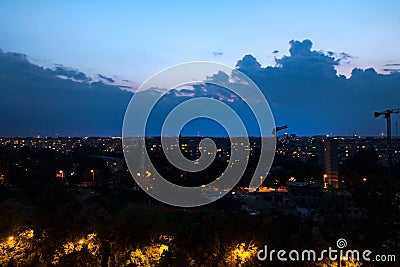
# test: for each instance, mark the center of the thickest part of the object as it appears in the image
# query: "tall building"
(328, 159)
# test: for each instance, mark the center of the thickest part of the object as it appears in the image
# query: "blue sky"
(135, 39)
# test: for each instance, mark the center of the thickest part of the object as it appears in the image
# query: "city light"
(60, 174)
(240, 254)
(92, 172)
(282, 189)
(325, 181)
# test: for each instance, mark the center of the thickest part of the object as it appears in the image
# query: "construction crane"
(387, 114)
(277, 129)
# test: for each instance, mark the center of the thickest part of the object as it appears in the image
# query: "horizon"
(382, 136)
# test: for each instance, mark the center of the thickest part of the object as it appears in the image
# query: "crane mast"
(387, 115)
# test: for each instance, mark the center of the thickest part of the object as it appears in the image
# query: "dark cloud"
(393, 67)
(302, 58)
(305, 91)
(125, 87)
(110, 80)
(34, 100)
(249, 63)
(300, 48)
(392, 70)
(175, 97)
(71, 73)
(343, 57)
(392, 64)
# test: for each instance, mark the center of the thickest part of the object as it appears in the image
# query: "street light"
(325, 181)
(60, 174)
(92, 171)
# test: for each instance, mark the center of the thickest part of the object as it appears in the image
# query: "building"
(328, 159)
